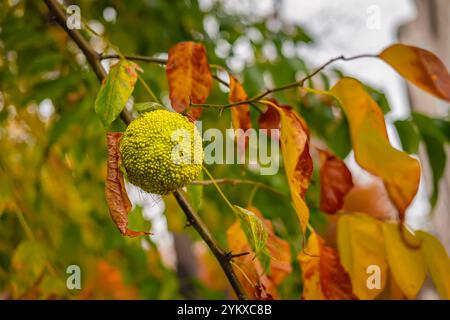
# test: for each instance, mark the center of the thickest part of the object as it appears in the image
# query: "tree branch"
(94, 59)
(296, 84)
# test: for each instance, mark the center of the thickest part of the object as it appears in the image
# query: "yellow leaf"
(421, 67)
(373, 152)
(309, 263)
(297, 160)
(361, 245)
(407, 264)
(438, 263)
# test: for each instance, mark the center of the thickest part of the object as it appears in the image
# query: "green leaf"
(434, 139)
(408, 134)
(437, 159)
(115, 91)
(380, 98)
(429, 126)
(254, 230)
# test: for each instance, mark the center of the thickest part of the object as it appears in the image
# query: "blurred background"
(53, 154)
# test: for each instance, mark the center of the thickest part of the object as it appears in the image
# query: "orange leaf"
(323, 275)
(297, 160)
(188, 74)
(419, 66)
(373, 152)
(116, 195)
(240, 115)
(335, 182)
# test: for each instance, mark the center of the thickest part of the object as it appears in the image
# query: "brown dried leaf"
(116, 196)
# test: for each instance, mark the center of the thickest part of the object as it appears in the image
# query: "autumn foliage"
(310, 231)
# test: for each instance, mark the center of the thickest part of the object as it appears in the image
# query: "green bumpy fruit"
(161, 151)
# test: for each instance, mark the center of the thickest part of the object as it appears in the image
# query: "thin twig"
(238, 181)
(134, 58)
(296, 84)
(93, 59)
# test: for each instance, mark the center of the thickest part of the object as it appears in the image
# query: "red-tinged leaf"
(335, 182)
(116, 195)
(421, 67)
(323, 275)
(270, 120)
(188, 74)
(240, 115)
(298, 164)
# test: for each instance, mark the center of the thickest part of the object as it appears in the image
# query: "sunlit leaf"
(115, 91)
(116, 196)
(361, 245)
(373, 152)
(323, 275)
(335, 182)
(407, 264)
(437, 261)
(189, 75)
(297, 160)
(421, 67)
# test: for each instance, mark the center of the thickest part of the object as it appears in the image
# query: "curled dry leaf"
(324, 278)
(189, 76)
(297, 160)
(421, 67)
(373, 152)
(116, 196)
(240, 115)
(335, 182)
